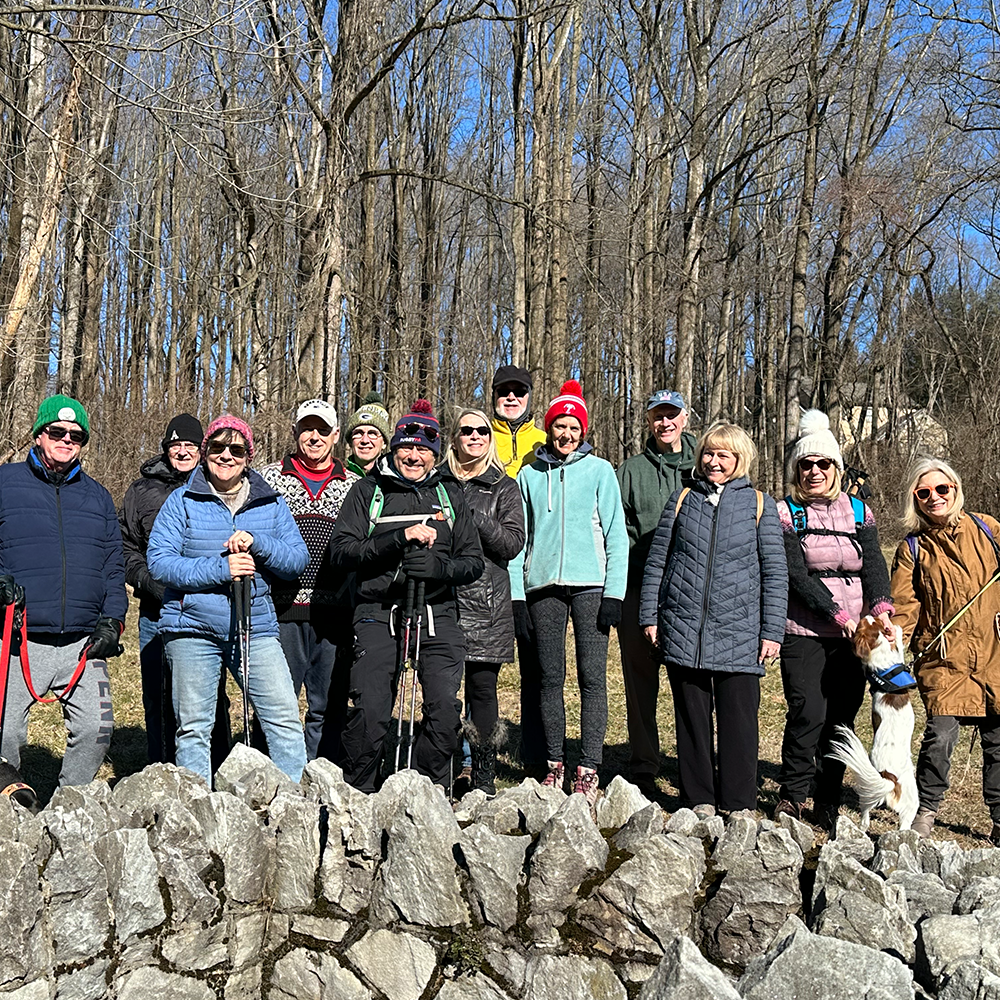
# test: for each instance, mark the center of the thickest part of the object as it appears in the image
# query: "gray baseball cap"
(317, 408)
(665, 397)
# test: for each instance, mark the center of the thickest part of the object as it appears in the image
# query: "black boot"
(484, 769)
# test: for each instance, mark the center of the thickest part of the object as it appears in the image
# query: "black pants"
(373, 691)
(641, 672)
(311, 655)
(934, 760)
(824, 684)
(725, 777)
(481, 696)
(532, 733)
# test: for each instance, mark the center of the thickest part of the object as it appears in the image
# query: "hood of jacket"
(199, 487)
(158, 467)
(544, 454)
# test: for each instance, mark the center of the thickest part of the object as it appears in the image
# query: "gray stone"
(235, 834)
(138, 794)
(508, 964)
(569, 851)
(526, 808)
(177, 833)
(133, 882)
(737, 841)
(193, 948)
(892, 840)
(926, 894)
(710, 828)
(646, 823)
(418, 880)
(960, 866)
(804, 965)
(467, 808)
(635, 972)
(246, 938)
(147, 982)
(970, 981)
(938, 857)
(853, 841)
(620, 801)
(190, 899)
(802, 833)
(756, 896)
(40, 989)
(648, 900)
(948, 941)
(685, 974)
(496, 870)
(400, 965)
(319, 777)
(902, 858)
(854, 904)
(72, 810)
(294, 823)
(244, 985)
(312, 975)
(474, 987)
(569, 977)
(253, 777)
(87, 983)
(320, 928)
(353, 843)
(978, 893)
(683, 822)
(77, 900)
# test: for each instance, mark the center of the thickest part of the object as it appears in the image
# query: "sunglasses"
(942, 490)
(236, 450)
(321, 431)
(806, 464)
(416, 430)
(503, 391)
(483, 432)
(61, 433)
(365, 433)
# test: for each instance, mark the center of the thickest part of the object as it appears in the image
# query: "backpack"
(447, 512)
(687, 490)
(913, 544)
(801, 526)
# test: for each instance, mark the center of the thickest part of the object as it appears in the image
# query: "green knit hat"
(60, 408)
(371, 413)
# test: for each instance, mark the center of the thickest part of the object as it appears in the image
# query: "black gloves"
(522, 621)
(103, 642)
(150, 586)
(422, 563)
(11, 592)
(610, 614)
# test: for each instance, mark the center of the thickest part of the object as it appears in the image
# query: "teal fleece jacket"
(575, 525)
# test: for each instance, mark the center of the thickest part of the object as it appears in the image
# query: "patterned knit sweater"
(316, 517)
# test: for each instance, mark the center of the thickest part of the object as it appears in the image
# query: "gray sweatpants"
(87, 710)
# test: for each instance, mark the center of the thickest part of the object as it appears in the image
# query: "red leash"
(5, 650)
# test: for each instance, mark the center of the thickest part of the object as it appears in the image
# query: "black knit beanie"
(183, 427)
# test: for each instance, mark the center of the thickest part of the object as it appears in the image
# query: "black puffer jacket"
(484, 606)
(142, 502)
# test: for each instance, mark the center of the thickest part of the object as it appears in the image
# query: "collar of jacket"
(337, 470)
(159, 467)
(389, 477)
(491, 476)
(38, 467)
(704, 487)
(545, 454)
(198, 488)
(673, 459)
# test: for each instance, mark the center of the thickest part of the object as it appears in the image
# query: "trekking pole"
(415, 667)
(242, 601)
(404, 652)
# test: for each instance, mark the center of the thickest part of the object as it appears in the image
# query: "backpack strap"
(446, 505)
(914, 546)
(989, 534)
(798, 514)
(375, 509)
(760, 504)
(677, 507)
(859, 510)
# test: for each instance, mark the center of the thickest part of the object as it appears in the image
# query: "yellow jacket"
(517, 448)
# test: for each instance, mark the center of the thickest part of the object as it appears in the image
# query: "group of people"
(509, 532)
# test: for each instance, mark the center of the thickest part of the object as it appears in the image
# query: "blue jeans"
(196, 665)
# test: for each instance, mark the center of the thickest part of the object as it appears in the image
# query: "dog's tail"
(872, 787)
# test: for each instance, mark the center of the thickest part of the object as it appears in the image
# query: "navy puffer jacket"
(717, 586)
(59, 539)
(186, 553)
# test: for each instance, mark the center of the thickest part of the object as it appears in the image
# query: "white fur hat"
(815, 438)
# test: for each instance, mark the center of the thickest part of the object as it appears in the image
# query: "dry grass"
(963, 816)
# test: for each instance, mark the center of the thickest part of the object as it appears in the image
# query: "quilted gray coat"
(717, 585)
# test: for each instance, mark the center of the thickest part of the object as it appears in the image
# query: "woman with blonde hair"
(948, 605)
(836, 575)
(713, 603)
(484, 606)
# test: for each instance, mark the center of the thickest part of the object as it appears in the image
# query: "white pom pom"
(812, 422)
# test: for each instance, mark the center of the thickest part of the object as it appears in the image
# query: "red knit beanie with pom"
(419, 426)
(569, 403)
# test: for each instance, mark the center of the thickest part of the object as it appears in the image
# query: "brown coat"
(961, 674)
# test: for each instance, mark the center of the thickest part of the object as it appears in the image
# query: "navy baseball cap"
(666, 397)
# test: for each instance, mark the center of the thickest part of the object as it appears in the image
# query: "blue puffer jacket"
(59, 539)
(186, 554)
(717, 586)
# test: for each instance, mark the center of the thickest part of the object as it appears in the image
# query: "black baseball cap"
(511, 373)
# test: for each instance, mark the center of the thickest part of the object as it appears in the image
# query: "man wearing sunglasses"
(516, 435)
(402, 523)
(310, 607)
(61, 560)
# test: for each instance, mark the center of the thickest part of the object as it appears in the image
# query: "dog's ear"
(867, 636)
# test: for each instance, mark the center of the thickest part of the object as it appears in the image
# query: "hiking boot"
(825, 816)
(484, 768)
(556, 776)
(995, 835)
(463, 783)
(923, 822)
(586, 784)
(706, 809)
(787, 808)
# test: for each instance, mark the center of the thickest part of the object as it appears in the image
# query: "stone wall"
(266, 888)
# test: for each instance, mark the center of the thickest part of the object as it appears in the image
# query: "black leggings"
(481, 696)
(550, 611)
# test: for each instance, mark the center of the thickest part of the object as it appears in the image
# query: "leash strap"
(8, 628)
(975, 597)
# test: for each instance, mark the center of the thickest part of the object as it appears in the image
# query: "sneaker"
(586, 784)
(706, 809)
(923, 822)
(787, 808)
(556, 775)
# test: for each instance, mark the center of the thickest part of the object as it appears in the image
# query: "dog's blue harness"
(892, 680)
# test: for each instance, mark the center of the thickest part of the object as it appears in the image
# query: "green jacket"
(646, 482)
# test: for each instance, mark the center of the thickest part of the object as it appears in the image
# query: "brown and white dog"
(886, 775)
